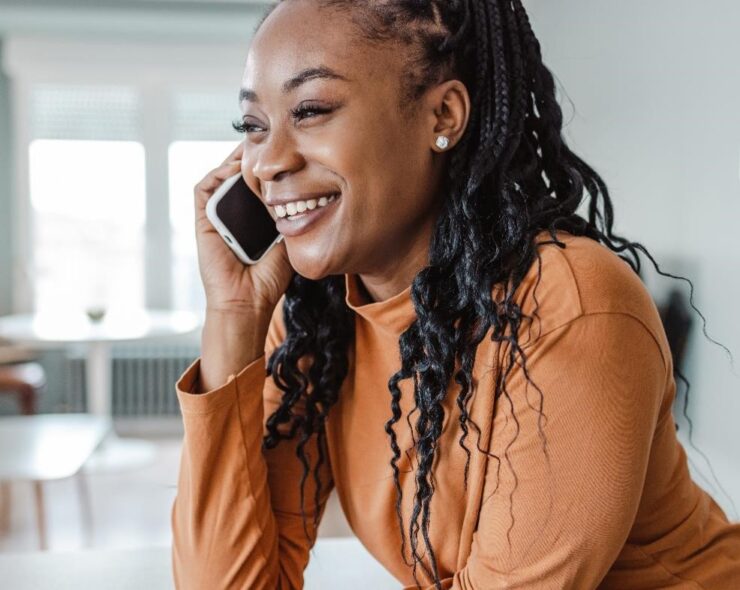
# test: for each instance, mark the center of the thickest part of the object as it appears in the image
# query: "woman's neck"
(392, 280)
(403, 263)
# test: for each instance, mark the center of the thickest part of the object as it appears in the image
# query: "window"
(189, 162)
(88, 207)
(203, 137)
(112, 145)
(87, 194)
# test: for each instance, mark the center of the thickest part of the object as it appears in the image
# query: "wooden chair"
(24, 378)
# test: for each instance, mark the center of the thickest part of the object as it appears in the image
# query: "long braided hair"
(510, 177)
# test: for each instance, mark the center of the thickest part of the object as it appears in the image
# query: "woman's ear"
(449, 110)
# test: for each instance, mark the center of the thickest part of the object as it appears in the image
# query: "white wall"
(6, 211)
(656, 89)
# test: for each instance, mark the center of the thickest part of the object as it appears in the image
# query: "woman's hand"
(229, 284)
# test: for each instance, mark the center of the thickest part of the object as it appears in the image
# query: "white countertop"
(50, 329)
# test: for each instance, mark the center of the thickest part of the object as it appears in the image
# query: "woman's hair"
(510, 177)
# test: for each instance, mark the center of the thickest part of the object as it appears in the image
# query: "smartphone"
(242, 220)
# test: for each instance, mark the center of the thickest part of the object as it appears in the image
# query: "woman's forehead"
(305, 26)
(299, 43)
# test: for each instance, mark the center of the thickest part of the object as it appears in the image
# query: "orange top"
(617, 510)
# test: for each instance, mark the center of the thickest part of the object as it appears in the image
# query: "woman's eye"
(303, 111)
(244, 127)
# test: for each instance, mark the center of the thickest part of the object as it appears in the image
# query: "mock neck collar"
(395, 314)
(392, 315)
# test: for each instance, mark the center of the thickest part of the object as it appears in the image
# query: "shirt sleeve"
(562, 525)
(236, 519)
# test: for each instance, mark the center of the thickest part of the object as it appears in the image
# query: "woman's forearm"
(229, 342)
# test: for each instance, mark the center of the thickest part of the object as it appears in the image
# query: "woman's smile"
(297, 218)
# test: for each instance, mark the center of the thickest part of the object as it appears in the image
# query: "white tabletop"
(336, 564)
(48, 446)
(53, 328)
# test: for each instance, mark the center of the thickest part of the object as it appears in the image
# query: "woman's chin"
(311, 267)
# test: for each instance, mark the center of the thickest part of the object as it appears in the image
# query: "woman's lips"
(302, 222)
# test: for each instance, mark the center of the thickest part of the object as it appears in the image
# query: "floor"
(130, 509)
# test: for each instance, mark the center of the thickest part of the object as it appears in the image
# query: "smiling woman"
(434, 270)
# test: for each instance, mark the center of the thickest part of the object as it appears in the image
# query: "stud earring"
(442, 142)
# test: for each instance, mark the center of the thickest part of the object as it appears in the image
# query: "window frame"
(157, 71)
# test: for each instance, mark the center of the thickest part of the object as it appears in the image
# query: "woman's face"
(323, 113)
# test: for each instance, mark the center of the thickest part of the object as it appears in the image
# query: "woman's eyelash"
(299, 112)
(241, 126)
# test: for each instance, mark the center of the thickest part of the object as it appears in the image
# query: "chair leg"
(85, 507)
(27, 400)
(6, 490)
(38, 490)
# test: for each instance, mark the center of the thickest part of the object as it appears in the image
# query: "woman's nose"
(276, 156)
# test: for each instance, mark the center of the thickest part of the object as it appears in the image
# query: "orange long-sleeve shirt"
(617, 509)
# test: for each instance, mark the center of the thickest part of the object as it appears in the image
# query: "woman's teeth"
(296, 207)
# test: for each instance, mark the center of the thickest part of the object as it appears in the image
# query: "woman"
(472, 366)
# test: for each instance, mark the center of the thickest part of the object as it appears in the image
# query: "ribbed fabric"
(597, 484)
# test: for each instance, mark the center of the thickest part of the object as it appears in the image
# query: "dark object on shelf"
(677, 323)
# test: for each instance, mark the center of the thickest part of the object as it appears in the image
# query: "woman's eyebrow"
(295, 81)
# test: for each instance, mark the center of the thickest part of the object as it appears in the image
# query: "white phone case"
(223, 230)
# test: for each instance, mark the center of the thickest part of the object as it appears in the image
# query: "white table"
(45, 447)
(54, 329)
(336, 564)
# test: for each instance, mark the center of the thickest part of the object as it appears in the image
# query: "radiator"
(143, 379)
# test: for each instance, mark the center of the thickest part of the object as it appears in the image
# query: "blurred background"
(111, 111)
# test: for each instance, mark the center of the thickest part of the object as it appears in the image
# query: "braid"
(510, 176)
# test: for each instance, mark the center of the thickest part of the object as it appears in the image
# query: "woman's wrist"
(229, 342)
